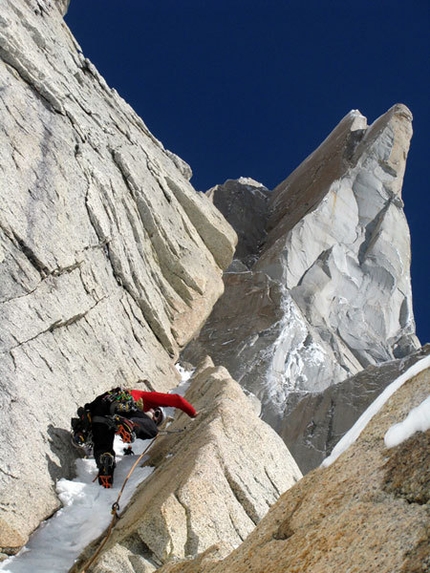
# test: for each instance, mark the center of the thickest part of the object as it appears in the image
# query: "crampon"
(106, 468)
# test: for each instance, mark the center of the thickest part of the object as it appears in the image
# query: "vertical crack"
(243, 499)
(192, 543)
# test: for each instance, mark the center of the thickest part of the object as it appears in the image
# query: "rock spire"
(112, 267)
(327, 291)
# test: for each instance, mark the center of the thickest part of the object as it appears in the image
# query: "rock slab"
(368, 511)
(110, 261)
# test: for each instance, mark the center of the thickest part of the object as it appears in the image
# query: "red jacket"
(156, 399)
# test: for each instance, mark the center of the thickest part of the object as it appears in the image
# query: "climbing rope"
(115, 505)
(115, 510)
(167, 432)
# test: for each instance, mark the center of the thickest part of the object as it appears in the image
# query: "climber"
(129, 413)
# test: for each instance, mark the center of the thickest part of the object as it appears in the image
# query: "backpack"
(113, 403)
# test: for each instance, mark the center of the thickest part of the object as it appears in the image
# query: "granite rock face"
(368, 511)
(211, 484)
(63, 6)
(329, 291)
(111, 268)
(344, 259)
(244, 203)
(109, 259)
(317, 421)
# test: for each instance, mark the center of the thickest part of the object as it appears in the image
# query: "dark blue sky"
(250, 88)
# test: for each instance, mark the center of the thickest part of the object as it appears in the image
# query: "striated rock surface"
(329, 293)
(344, 260)
(109, 259)
(212, 484)
(368, 511)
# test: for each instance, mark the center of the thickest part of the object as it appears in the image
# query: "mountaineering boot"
(106, 467)
(78, 439)
(82, 437)
(125, 429)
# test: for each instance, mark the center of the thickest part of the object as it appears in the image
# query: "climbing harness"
(125, 429)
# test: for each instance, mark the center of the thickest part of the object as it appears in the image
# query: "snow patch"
(418, 420)
(285, 363)
(250, 181)
(85, 515)
(184, 373)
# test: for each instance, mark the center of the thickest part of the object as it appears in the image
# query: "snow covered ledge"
(418, 418)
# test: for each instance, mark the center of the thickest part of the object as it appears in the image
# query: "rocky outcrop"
(109, 260)
(344, 259)
(212, 483)
(316, 423)
(63, 6)
(329, 293)
(244, 203)
(368, 511)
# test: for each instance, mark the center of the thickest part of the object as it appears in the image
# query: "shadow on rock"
(62, 464)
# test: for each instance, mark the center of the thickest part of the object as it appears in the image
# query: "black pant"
(145, 427)
(104, 434)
